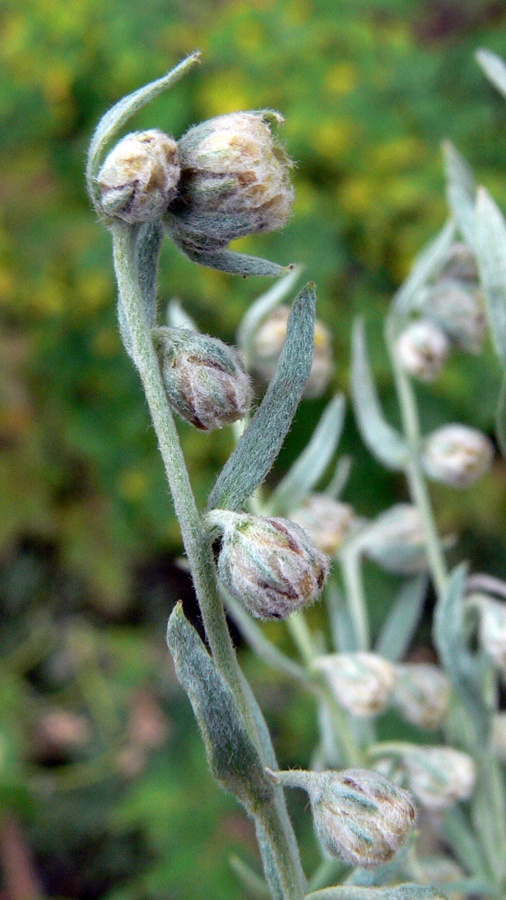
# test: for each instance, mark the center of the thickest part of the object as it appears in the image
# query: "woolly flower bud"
(268, 564)
(422, 349)
(268, 344)
(438, 776)
(458, 311)
(234, 181)
(359, 816)
(457, 455)
(139, 177)
(327, 522)
(395, 540)
(361, 682)
(205, 380)
(493, 631)
(422, 693)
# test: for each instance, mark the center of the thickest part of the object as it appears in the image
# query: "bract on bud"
(460, 264)
(422, 693)
(234, 181)
(204, 379)
(457, 455)
(268, 344)
(438, 776)
(422, 349)
(361, 682)
(268, 564)
(359, 815)
(327, 522)
(395, 540)
(493, 631)
(139, 177)
(458, 311)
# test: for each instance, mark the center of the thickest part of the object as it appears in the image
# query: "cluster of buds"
(328, 522)
(268, 343)
(361, 682)
(395, 540)
(437, 776)
(224, 179)
(267, 564)
(423, 349)
(421, 693)
(359, 816)
(457, 455)
(205, 380)
(458, 311)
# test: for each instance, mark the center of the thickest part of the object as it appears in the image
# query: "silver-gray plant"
(226, 178)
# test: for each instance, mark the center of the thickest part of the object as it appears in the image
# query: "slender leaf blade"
(260, 444)
(494, 68)
(491, 250)
(262, 306)
(384, 442)
(427, 266)
(403, 618)
(460, 191)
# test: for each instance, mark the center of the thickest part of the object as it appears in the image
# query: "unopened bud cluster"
(327, 522)
(268, 344)
(458, 311)
(421, 693)
(422, 349)
(268, 564)
(438, 776)
(457, 455)
(205, 380)
(359, 815)
(361, 682)
(395, 540)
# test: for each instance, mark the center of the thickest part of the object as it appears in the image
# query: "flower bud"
(234, 181)
(395, 540)
(457, 455)
(268, 344)
(268, 564)
(361, 682)
(493, 631)
(205, 380)
(422, 349)
(438, 776)
(458, 312)
(139, 177)
(359, 816)
(422, 694)
(327, 522)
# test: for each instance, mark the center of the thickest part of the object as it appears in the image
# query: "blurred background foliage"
(87, 534)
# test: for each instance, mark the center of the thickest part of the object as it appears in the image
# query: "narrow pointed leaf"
(460, 191)
(500, 422)
(177, 317)
(427, 266)
(343, 633)
(384, 442)
(260, 444)
(229, 260)
(111, 123)
(340, 478)
(457, 831)
(491, 250)
(311, 464)
(494, 69)
(252, 883)
(402, 892)
(263, 306)
(403, 618)
(461, 667)
(232, 757)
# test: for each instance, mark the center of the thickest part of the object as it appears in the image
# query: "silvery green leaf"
(491, 252)
(494, 69)
(402, 892)
(229, 260)
(148, 246)
(232, 757)
(460, 191)
(340, 478)
(263, 306)
(461, 667)
(458, 833)
(403, 618)
(500, 421)
(260, 444)
(343, 632)
(113, 120)
(177, 317)
(307, 470)
(384, 442)
(427, 266)
(269, 864)
(252, 883)
(488, 814)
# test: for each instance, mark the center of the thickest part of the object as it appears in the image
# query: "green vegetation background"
(87, 534)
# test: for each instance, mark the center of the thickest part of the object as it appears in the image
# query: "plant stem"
(349, 559)
(414, 468)
(297, 626)
(197, 547)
